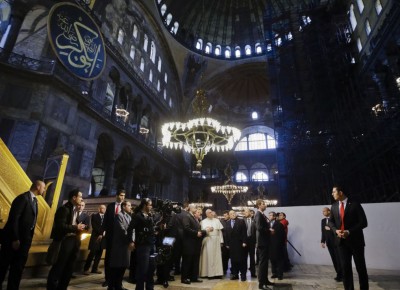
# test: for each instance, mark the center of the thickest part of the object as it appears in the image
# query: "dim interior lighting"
(254, 115)
(201, 204)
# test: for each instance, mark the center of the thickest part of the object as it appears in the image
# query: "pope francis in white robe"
(210, 257)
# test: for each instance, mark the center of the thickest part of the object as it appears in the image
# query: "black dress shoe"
(274, 276)
(339, 279)
(165, 284)
(234, 277)
(264, 287)
(105, 284)
(197, 281)
(280, 278)
(253, 276)
(243, 279)
(269, 283)
(186, 281)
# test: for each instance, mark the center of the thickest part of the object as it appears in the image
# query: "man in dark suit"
(224, 249)
(67, 230)
(263, 236)
(112, 211)
(95, 242)
(236, 241)
(348, 221)
(192, 238)
(18, 234)
(328, 240)
(251, 241)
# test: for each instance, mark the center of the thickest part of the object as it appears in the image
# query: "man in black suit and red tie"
(348, 221)
(113, 209)
(18, 234)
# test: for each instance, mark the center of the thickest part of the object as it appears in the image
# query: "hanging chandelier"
(229, 189)
(199, 135)
(268, 202)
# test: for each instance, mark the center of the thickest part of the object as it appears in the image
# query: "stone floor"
(301, 277)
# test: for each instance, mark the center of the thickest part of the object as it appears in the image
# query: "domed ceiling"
(212, 26)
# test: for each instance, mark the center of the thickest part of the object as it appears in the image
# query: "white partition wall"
(382, 236)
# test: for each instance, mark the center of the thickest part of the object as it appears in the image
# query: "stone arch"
(103, 168)
(141, 175)
(123, 171)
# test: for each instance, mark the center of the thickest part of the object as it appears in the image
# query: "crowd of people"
(168, 243)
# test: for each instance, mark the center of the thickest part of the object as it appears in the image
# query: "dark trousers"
(251, 252)
(263, 256)
(334, 253)
(116, 274)
(225, 258)
(107, 257)
(190, 266)
(61, 272)
(277, 266)
(132, 267)
(347, 252)
(145, 267)
(177, 255)
(239, 266)
(96, 255)
(14, 261)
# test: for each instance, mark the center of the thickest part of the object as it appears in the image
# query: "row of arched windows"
(256, 141)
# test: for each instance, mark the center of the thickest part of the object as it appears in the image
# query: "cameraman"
(141, 229)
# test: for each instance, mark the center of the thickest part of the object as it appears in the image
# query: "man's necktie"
(248, 227)
(232, 223)
(102, 218)
(342, 216)
(117, 208)
(35, 209)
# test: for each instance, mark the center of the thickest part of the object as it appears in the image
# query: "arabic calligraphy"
(77, 40)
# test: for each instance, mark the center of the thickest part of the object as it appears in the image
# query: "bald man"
(95, 247)
(18, 234)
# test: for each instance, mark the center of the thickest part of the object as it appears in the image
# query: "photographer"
(141, 229)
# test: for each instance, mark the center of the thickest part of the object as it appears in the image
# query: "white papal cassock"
(210, 257)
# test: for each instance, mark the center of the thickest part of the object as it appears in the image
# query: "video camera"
(166, 207)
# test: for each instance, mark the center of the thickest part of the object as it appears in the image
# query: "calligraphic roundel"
(76, 40)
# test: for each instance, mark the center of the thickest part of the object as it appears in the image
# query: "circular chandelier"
(229, 189)
(201, 204)
(199, 135)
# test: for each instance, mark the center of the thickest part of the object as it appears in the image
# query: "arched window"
(159, 64)
(237, 52)
(241, 177)
(175, 28)
(289, 36)
(259, 176)
(278, 40)
(199, 44)
(169, 19)
(242, 145)
(353, 19)
(135, 31)
(145, 42)
(271, 143)
(247, 49)
(158, 86)
(208, 48)
(359, 45)
(132, 52)
(257, 141)
(360, 4)
(121, 36)
(170, 103)
(217, 50)
(166, 78)
(151, 76)
(165, 94)
(227, 52)
(378, 7)
(153, 52)
(269, 47)
(142, 64)
(258, 48)
(367, 27)
(163, 9)
(5, 26)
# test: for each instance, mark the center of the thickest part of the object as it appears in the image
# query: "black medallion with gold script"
(76, 40)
